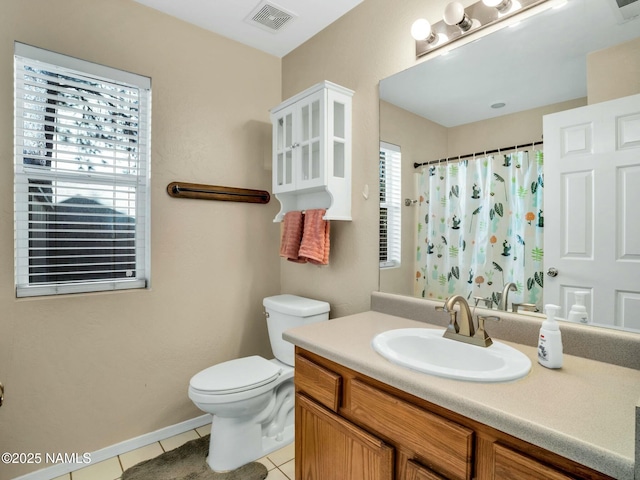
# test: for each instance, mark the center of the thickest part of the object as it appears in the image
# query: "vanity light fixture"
(503, 6)
(458, 21)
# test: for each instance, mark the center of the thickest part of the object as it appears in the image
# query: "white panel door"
(592, 209)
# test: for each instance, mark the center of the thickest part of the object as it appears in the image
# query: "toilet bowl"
(252, 398)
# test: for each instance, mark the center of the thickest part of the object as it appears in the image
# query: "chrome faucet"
(464, 331)
(504, 299)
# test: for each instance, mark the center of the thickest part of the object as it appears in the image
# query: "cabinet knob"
(295, 145)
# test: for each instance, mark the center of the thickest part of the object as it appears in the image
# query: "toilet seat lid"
(235, 375)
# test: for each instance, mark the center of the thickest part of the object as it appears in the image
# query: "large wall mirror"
(472, 219)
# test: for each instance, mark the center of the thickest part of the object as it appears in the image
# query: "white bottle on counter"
(578, 312)
(550, 340)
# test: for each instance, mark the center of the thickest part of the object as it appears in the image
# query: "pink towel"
(314, 246)
(291, 236)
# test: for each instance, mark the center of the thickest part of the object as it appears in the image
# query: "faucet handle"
(481, 333)
(531, 307)
(453, 322)
(488, 301)
(443, 307)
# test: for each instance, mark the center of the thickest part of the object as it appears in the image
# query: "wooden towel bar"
(213, 192)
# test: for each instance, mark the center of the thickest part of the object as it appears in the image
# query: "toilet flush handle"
(266, 314)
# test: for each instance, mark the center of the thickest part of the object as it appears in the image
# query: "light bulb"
(421, 29)
(453, 13)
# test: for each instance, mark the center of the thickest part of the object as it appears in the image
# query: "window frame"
(390, 202)
(139, 183)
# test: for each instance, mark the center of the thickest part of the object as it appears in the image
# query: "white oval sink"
(426, 350)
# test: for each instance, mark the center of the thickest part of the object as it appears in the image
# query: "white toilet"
(251, 398)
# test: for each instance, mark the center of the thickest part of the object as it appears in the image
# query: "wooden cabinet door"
(442, 445)
(329, 447)
(512, 465)
(415, 471)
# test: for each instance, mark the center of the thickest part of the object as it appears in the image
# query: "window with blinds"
(81, 189)
(390, 212)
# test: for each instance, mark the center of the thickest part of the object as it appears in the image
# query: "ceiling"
(229, 19)
(539, 62)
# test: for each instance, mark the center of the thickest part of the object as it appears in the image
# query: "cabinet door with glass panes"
(299, 139)
(310, 143)
(283, 149)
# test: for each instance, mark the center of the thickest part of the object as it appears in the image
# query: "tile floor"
(280, 463)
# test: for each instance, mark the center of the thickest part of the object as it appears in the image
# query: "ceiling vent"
(626, 9)
(269, 16)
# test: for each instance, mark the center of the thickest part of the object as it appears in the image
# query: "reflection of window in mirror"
(390, 234)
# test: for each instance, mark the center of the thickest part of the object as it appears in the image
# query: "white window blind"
(390, 206)
(81, 191)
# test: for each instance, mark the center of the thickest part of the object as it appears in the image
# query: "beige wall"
(614, 72)
(369, 43)
(520, 128)
(86, 371)
(83, 372)
(420, 140)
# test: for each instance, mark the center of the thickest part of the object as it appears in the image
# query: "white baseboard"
(119, 448)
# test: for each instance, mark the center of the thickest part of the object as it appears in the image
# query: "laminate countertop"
(585, 411)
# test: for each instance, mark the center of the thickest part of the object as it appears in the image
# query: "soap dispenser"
(578, 312)
(550, 340)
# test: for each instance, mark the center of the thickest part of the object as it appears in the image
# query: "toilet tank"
(288, 311)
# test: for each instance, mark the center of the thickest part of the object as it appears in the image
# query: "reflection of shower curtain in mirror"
(480, 226)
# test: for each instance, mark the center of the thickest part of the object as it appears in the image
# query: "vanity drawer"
(442, 445)
(321, 384)
(509, 464)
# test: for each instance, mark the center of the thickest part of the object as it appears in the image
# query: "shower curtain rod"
(484, 152)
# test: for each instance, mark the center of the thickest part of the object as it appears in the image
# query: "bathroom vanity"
(360, 416)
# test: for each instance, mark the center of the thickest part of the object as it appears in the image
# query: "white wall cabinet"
(312, 151)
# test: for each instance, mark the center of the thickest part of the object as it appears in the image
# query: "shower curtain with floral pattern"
(480, 226)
